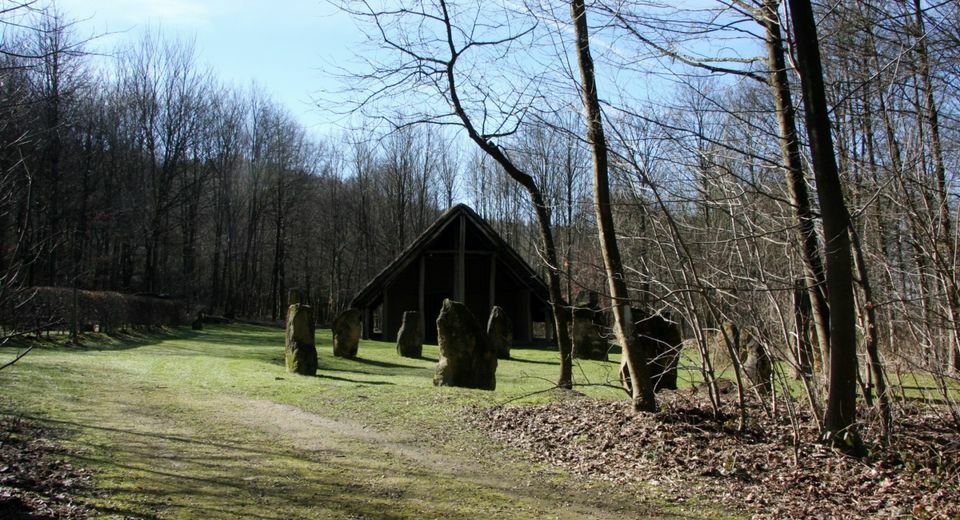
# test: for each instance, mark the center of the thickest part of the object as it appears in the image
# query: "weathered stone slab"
(346, 329)
(410, 337)
(301, 348)
(586, 328)
(754, 358)
(467, 358)
(500, 332)
(662, 340)
(756, 361)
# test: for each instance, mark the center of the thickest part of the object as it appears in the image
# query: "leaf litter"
(684, 452)
(36, 480)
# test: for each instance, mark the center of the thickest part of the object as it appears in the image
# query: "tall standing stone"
(757, 365)
(588, 342)
(410, 337)
(347, 328)
(198, 322)
(662, 340)
(500, 332)
(301, 348)
(754, 358)
(467, 358)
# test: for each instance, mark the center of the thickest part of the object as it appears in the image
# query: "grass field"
(209, 424)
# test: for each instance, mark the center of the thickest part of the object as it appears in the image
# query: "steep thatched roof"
(506, 254)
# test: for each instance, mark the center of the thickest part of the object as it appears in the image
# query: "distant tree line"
(143, 173)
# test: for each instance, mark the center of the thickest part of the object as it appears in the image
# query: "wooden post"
(420, 289)
(459, 282)
(550, 325)
(367, 322)
(385, 317)
(493, 281)
(525, 316)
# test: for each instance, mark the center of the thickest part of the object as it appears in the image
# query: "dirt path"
(162, 453)
(416, 471)
(311, 431)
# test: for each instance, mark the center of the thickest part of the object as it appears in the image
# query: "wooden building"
(459, 257)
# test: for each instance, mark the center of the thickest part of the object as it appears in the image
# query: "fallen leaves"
(688, 452)
(35, 481)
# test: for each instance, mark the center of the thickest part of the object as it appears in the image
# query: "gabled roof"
(506, 254)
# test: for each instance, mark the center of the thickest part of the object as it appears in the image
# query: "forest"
(778, 174)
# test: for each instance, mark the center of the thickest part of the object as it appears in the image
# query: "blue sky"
(291, 48)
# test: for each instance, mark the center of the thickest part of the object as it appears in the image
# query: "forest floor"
(209, 425)
(685, 451)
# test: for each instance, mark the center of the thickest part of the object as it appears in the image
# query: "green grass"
(209, 424)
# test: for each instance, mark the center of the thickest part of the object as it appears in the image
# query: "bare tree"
(437, 56)
(841, 412)
(634, 359)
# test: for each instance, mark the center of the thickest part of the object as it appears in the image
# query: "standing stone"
(662, 340)
(410, 337)
(301, 348)
(756, 361)
(346, 333)
(500, 332)
(467, 358)
(588, 342)
(754, 358)
(197, 323)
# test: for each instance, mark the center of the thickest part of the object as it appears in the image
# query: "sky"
(290, 48)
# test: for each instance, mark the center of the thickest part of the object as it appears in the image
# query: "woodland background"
(141, 172)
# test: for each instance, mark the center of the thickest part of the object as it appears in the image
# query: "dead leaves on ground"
(684, 452)
(36, 482)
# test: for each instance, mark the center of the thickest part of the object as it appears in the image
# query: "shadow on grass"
(120, 341)
(242, 336)
(127, 513)
(144, 474)
(519, 360)
(234, 486)
(382, 364)
(356, 381)
(74, 426)
(536, 345)
(939, 401)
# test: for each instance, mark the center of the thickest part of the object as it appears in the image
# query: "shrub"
(52, 308)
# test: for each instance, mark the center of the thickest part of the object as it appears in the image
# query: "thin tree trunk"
(944, 234)
(840, 418)
(557, 303)
(796, 182)
(871, 340)
(276, 291)
(636, 360)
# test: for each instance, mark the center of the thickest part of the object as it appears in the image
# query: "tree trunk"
(871, 341)
(557, 303)
(841, 413)
(944, 227)
(796, 182)
(276, 294)
(641, 386)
